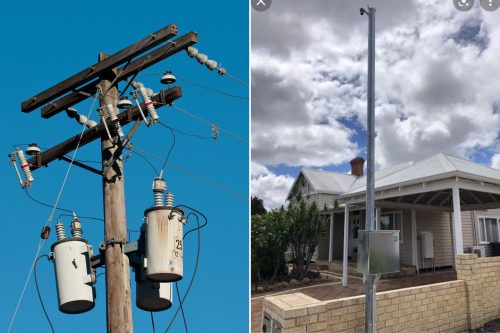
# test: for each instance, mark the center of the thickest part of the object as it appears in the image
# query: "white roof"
(433, 168)
(329, 182)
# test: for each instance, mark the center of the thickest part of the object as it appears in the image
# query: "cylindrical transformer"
(164, 244)
(74, 277)
(151, 295)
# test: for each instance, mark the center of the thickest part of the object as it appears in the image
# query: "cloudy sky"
(437, 87)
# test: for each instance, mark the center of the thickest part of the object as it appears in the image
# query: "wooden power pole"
(103, 77)
(118, 304)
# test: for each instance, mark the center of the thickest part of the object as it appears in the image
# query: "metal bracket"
(97, 261)
(131, 247)
(81, 165)
(120, 148)
(112, 242)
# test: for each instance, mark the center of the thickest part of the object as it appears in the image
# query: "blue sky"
(434, 87)
(45, 42)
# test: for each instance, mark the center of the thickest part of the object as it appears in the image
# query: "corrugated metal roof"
(404, 173)
(431, 167)
(329, 182)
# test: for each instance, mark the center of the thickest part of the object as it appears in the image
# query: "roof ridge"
(409, 164)
(445, 162)
(469, 161)
(328, 171)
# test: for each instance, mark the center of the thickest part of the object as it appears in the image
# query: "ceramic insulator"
(169, 202)
(147, 101)
(76, 228)
(60, 231)
(25, 166)
(111, 113)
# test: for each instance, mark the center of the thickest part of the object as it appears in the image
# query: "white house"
(453, 199)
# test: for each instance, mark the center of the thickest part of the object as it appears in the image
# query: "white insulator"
(113, 116)
(76, 228)
(147, 101)
(61, 232)
(25, 166)
(202, 58)
(33, 150)
(158, 196)
(169, 200)
(211, 64)
(159, 187)
(150, 92)
(192, 51)
(86, 121)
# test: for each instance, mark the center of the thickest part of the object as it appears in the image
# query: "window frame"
(479, 218)
(394, 213)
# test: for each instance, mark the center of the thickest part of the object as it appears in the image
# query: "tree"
(269, 242)
(257, 206)
(306, 228)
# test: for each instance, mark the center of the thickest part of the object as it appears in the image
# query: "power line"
(194, 229)
(39, 295)
(189, 172)
(206, 87)
(44, 204)
(129, 148)
(213, 89)
(210, 124)
(180, 305)
(236, 79)
(50, 219)
(83, 217)
(171, 146)
(185, 133)
(152, 321)
(195, 265)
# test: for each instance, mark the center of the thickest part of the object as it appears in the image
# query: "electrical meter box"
(378, 251)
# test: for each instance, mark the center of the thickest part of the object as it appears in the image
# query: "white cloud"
(272, 188)
(435, 88)
(258, 169)
(495, 161)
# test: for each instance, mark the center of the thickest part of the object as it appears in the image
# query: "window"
(489, 229)
(392, 221)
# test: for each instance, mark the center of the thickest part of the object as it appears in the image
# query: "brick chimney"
(357, 164)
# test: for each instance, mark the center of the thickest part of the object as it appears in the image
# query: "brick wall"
(439, 306)
(482, 278)
(452, 306)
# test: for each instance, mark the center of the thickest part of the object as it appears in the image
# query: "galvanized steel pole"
(370, 287)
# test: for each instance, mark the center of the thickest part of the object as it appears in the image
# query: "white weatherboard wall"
(405, 249)
(439, 224)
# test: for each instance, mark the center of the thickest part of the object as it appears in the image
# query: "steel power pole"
(370, 287)
(118, 303)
